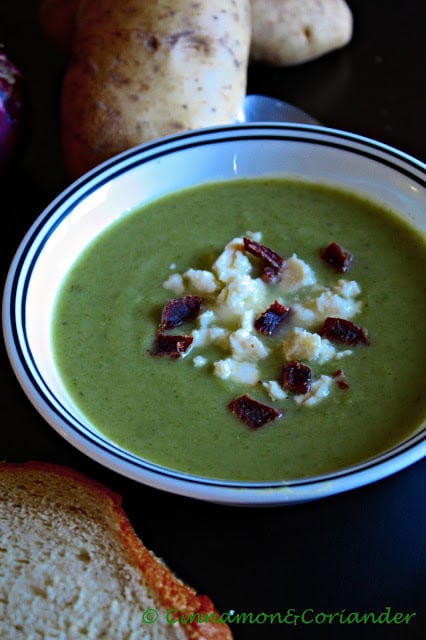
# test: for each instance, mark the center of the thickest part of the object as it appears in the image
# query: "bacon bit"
(179, 310)
(255, 414)
(344, 331)
(339, 377)
(297, 377)
(269, 320)
(171, 345)
(272, 262)
(337, 257)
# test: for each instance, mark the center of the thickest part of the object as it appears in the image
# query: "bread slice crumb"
(73, 568)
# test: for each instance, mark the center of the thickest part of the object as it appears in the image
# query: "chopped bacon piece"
(254, 413)
(179, 310)
(171, 345)
(297, 377)
(269, 320)
(337, 257)
(273, 263)
(339, 330)
(339, 377)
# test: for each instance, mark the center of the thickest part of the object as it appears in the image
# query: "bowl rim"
(100, 449)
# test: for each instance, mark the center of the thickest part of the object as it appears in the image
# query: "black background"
(360, 551)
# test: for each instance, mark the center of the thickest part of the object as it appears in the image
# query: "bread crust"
(170, 591)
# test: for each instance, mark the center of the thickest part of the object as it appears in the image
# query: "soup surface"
(177, 415)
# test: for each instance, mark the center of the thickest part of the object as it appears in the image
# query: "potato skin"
(290, 32)
(141, 70)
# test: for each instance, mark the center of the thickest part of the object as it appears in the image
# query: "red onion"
(11, 110)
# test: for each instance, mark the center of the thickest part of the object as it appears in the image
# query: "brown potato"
(289, 32)
(141, 70)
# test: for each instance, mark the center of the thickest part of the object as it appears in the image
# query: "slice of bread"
(73, 568)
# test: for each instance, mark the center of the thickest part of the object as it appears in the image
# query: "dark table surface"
(362, 551)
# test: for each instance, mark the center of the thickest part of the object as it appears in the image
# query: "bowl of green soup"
(234, 314)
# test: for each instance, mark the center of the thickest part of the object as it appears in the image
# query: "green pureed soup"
(176, 414)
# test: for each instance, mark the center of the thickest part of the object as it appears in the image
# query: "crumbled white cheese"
(274, 390)
(331, 304)
(328, 303)
(241, 294)
(206, 318)
(232, 261)
(327, 352)
(247, 320)
(301, 345)
(296, 274)
(302, 315)
(319, 390)
(175, 283)
(236, 297)
(246, 347)
(342, 354)
(209, 332)
(199, 361)
(242, 372)
(210, 335)
(347, 288)
(201, 281)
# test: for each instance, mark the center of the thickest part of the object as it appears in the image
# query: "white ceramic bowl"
(118, 186)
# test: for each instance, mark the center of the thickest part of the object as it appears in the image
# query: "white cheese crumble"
(296, 274)
(243, 372)
(235, 296)
(240, 295)
(347, 288)
(274, 390)
(175, 283)
(300, 344)
(246, 346)
(210, 335)
(201, 281)
(199, 361)
(331, 304)
(233, 261)
(339, 302)
(319, 390)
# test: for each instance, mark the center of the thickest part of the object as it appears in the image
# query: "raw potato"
(141, 70)
(289, 32)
